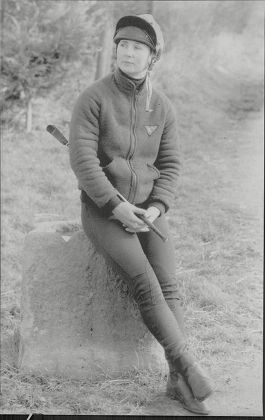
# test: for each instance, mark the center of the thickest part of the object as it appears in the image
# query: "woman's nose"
(129, 51)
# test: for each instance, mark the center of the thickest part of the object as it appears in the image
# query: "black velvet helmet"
(141, 28)
(127, 26)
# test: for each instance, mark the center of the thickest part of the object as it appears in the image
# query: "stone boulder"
(78, 318)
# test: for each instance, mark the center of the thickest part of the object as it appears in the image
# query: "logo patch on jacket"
(150, 129)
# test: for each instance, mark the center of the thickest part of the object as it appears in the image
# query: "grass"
(55, 395)
(217, 236)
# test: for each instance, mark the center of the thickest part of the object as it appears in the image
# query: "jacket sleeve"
(168, 164)
(83, 148)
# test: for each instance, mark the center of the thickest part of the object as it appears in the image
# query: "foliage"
(41, 42)
(192, 24)
(212, 63)
(48, 45)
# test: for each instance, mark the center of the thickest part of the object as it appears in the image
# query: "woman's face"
(133, 58)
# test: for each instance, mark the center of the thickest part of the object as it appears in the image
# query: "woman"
(123, 141)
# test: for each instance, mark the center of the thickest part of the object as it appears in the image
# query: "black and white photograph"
(132, 208)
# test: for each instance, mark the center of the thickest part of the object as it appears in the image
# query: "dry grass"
(57, 395)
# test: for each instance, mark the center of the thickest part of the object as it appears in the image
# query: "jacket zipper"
(133, 189)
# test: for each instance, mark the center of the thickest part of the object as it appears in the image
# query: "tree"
(105, 39)
(41, 40)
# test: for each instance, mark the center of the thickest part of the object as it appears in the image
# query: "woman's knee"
(146, 289)
(167, 281)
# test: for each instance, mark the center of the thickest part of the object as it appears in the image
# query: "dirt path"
(239, 396)
(238, 382)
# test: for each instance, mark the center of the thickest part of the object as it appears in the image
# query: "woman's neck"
(137, 81)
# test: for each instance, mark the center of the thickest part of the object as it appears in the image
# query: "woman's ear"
(152, 61)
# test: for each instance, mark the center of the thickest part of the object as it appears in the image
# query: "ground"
(238, 392)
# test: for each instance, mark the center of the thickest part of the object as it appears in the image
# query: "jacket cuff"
(110, 205)
(159, 205)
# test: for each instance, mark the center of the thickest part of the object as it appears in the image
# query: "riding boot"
(177, 388)
(194, 376)
(162, 324)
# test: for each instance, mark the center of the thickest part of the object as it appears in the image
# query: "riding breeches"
(149, 267)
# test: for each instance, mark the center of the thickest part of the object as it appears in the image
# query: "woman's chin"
(128, 70)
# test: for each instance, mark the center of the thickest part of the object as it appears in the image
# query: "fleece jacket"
(116, 146)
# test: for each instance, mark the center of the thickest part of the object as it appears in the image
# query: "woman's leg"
(161, 256)
(126, 251)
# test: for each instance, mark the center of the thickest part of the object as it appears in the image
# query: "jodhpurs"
(149, 267)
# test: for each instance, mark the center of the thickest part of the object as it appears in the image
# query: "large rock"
(77, 316)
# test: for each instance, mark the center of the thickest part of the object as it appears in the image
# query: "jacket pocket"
(154, 169)
(116, 167)
(118, 172)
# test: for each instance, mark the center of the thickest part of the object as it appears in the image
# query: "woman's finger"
(135, 227)
(145, 229)
(137, 221)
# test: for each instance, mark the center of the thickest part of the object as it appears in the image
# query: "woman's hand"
(126, 213)
(152, 213)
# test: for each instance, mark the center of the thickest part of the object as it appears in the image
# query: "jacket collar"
(125, 84)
